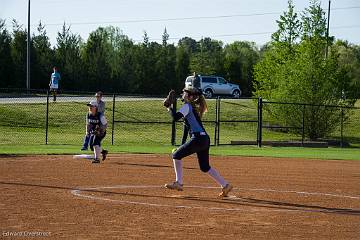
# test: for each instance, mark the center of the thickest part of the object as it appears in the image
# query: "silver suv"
(213, 85)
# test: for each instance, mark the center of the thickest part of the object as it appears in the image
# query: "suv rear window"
(209, 80)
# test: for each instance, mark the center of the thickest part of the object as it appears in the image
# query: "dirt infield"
(58, 197)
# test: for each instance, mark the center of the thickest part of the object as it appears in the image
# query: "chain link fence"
(309, 120)
(238, 121)
(34, 118)
(141, 120)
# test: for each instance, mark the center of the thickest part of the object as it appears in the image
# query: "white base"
(83, 156)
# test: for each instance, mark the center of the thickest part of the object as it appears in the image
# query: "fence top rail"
(308, 104)
(240, 98)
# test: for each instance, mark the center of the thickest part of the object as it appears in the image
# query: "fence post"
(342, 127)
(218, 121)
(113, 121)
(303, 126)
(47, 118)
(173, 127)
(259, 135)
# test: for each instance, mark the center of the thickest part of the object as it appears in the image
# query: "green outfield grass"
(23, 128)
(282, 152)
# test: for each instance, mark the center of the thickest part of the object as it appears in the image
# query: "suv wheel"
(236, 94)
(208, 93)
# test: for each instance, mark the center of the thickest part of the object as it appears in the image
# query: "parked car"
(213, 85)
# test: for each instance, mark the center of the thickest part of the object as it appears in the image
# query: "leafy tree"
(304, 77)
(146, 39)
(18, 55)
(182, 67)
(165, 38)
(239, 61)
(96, 57)
(313, 22)
(208, 59)
(289, 27)
(68, 60)
(165, 66)
(123, 60)
(264, 48)
(188, 44)
(145, 76)
(6, 63)
(186, 49)
(349, 59)
(42, 59)
(312, 79)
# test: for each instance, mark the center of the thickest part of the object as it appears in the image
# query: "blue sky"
(225, 20)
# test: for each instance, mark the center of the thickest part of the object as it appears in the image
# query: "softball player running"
(96, 125)
(192, 111)
(100, 109)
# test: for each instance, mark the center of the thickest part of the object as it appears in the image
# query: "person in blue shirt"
(54, 82)
(192, 111)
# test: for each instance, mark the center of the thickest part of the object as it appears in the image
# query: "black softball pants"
(199, 144)
(96, 140)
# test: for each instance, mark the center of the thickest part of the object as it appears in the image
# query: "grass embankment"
(23, 128)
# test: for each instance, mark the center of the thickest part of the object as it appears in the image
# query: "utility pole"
(28, 52)
(327, 31)
(202, 57)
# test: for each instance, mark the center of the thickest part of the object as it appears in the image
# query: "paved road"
(8, 100)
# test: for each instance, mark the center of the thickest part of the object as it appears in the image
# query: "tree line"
(110, 61)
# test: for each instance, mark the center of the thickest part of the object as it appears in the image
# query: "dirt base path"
(58, 197)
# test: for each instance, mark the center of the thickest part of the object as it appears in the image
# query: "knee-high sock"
(218, 178)
(178, 170)
(97, 151)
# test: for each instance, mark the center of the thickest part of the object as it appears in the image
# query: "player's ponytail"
(203, 108)
(200, 105)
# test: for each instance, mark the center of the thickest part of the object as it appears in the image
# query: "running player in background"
(54, 82)
(96, 125)
(192, 111)
(100, 109)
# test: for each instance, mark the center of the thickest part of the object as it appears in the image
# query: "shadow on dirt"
(250, 202)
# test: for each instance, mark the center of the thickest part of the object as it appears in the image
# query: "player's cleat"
(96, 160)
(174, 186)
(225, 190)
(83, 149)
(104, 154)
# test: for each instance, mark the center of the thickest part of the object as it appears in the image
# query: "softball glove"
(170, 99)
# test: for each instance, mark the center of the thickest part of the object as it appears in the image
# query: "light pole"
(327, 31)
(28, 52)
